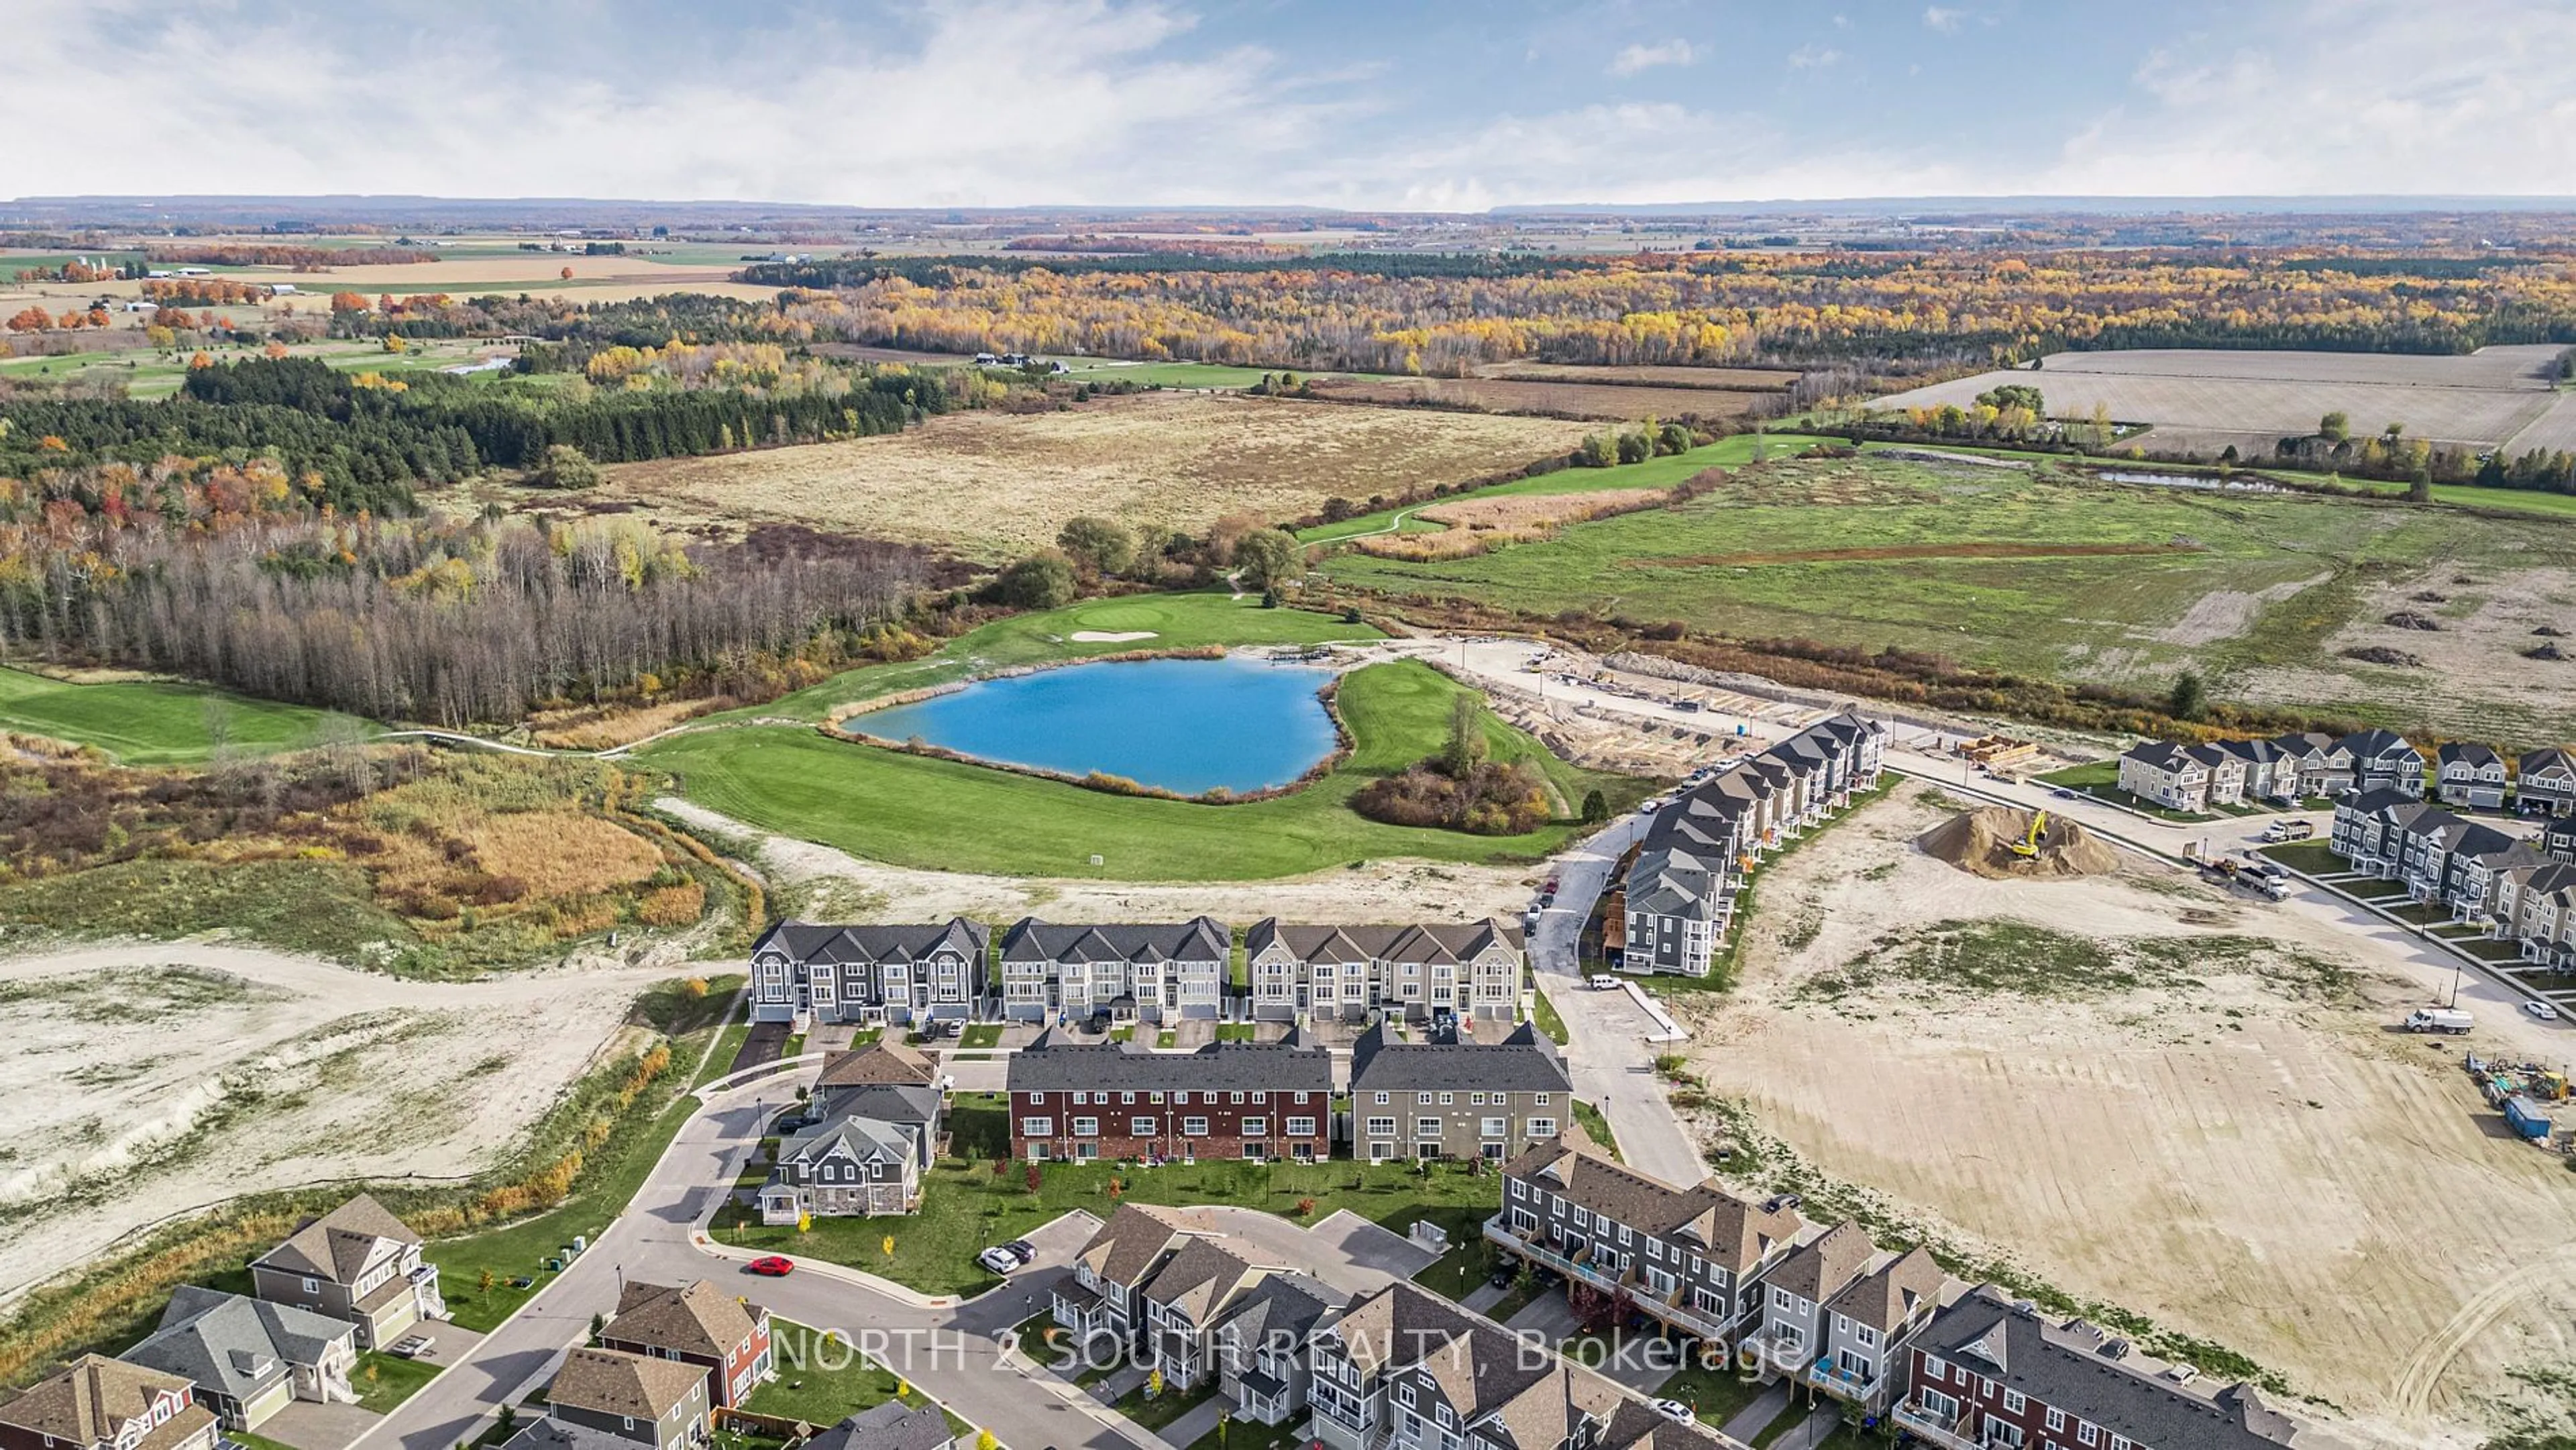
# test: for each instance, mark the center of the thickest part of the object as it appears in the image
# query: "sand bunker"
(1982, 841)
(1111, 636)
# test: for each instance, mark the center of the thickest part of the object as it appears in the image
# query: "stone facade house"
(359, 1263)
(850, 1167)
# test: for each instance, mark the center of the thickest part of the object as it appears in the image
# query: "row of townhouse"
(2440, 857)
(1680, 890)
(1087, 1101)
(1397, 1369)
(2309, 765)
(1138, 972)
(1888, 1332)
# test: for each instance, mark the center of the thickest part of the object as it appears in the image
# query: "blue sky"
(1431, 106)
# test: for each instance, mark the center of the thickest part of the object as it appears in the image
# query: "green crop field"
(2050, 574)
(1662, 472)
(945, 815)
(151, 722)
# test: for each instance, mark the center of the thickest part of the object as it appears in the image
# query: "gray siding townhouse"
(97, 1403)
(1158, 972)
(1682, 886)
(358, 1263)
(1103, 1296)
(2535, 906)
(1989, 1372)
(2319, 764)
(641, 1400)
(1472, 969)
(1867, 1325)
(2544, 781)
(1691, 1258)
(2439, 856)
(1791, 1335)
(2270, 773)
(2466, 773)
(805, 972)
(2382, 760)
(249, 1358)
(1260, 1344)
(1183, 1301)
(1456, 1100)
(1405, 1369)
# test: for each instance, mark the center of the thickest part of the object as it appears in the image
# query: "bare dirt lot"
(2195, 398)
(2475, 680)
(1612, 402)
(993, 485)
(2147, 1093)
(149, 1079)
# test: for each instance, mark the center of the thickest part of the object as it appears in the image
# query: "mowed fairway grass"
(947, 815)
(2036, 572)
(151, 722)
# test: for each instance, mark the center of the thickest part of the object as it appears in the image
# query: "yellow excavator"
(2029, 845)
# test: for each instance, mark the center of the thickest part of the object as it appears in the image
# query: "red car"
(775, 1266)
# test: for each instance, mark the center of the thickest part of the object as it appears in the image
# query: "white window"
(1542, 1127)
(1086, 1127)
(1381, 1099)
(1427, 1127)
(1256, 1127)
(2056, 1419)
(2087, 1434)
(1447, 1098)
(1193, 1127)
(1301, 1127)
(1496, 1127)
(1538, 1100)
(1940, 1406)
(1037, 1127)
(1424, 1099)
(1141, 1127)
(1381, 1127)
(2015, 1402)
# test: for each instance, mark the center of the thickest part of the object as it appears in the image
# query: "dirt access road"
(151, 1079)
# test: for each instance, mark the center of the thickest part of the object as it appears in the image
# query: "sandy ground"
(2474, 680)
(2227, 613)
(150, 1079)
(832, 884)
(2289, 1177)
(993, 485)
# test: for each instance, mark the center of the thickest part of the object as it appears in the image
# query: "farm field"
(2116, 1083)
(235, 1070)
(2044, 573)
(147, 374)
(992, 485)
(1610, 402)
(1758, 380)
(2203, 401)
(928, 813)
(151, 722)
(1662, 472)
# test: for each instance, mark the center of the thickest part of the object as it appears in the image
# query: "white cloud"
(1943, 17)
(1646, 57)
(1813, 57)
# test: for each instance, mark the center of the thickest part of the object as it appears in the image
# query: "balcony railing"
(1950, 1434)
(1691, 1321)
(1835, 1380)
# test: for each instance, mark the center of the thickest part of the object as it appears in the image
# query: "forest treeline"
(365, 442)
(1446, 315)
(233, 575)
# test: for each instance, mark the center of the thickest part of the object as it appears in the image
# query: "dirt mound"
(2409, 619)
(2544, 652)
(2380, 654)
(1981, 841)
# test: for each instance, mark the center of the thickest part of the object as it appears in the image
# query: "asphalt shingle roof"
(1056, 1062)
(1524, 1061)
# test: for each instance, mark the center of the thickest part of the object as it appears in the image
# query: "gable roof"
(342, 1243)
(1282, 1307)
(235, 1345)
(1426, 943)
(1892, 1293)
(2158, 754)
(1200, 939)
(883, 1061)
(2468, 753)
(697, 1318)
(89, 1401)
(2547, 758)
(1524, 1061)
(1820, 1270)
(871, 943)
(893, 1425)
(1199, 1279)
(614, 1382)
(907, 1104)
(2071, 1367)
(1126, 1248)
(1057, 1062)
(1731, 1231)
(2377, 745)
(864, 1139)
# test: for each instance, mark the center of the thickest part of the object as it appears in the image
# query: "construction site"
(2002, 842)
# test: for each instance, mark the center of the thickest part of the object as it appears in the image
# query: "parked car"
(1674, 1410)
(1027, 1251)
(410, 1346)
(2541, 1010)
(2064, 794)
(773, 1266)
(1604, 982)
(1504, 1276)
(998, 1260)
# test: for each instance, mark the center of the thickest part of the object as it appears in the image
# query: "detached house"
(640, 1400)
(802, 972)
(1351, 973)
(1456, 1100)
(1989, 1371)
(2316, 764)
(249, 1358)
(1127, 973)
(697, 1324)
(854, 1167)
(2269, 772)
(97, 1403)
(358, 1263)
(2544, 781)
(2182, 777)
(2469, 774)
(2382, 760)
(1082, 1101)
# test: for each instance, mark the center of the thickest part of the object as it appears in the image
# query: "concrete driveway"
(308, 1425)
(1344, 1250)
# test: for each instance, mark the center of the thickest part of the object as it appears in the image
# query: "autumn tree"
(565, 467)
(1098, 545)
(2334, 427)
(344, 304)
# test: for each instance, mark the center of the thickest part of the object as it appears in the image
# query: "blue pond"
(1184, 725)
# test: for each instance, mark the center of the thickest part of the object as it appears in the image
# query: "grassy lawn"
(1598, 1126)
(1715, 1394)
(1653, 473)
(249, 1441)
(1237, 1032)
(1155, 1411)
(1250, 1435)
(2312, 857)
(2097, 773)
(611, 1174)
(936, 814)
(384, 1381)
(152, 722)
(822, 1380)
(1543, 1012)
(965, 1205)
(982, 1034)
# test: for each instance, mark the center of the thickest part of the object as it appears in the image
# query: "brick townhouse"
(1082, 1101)
(1989, 1371)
